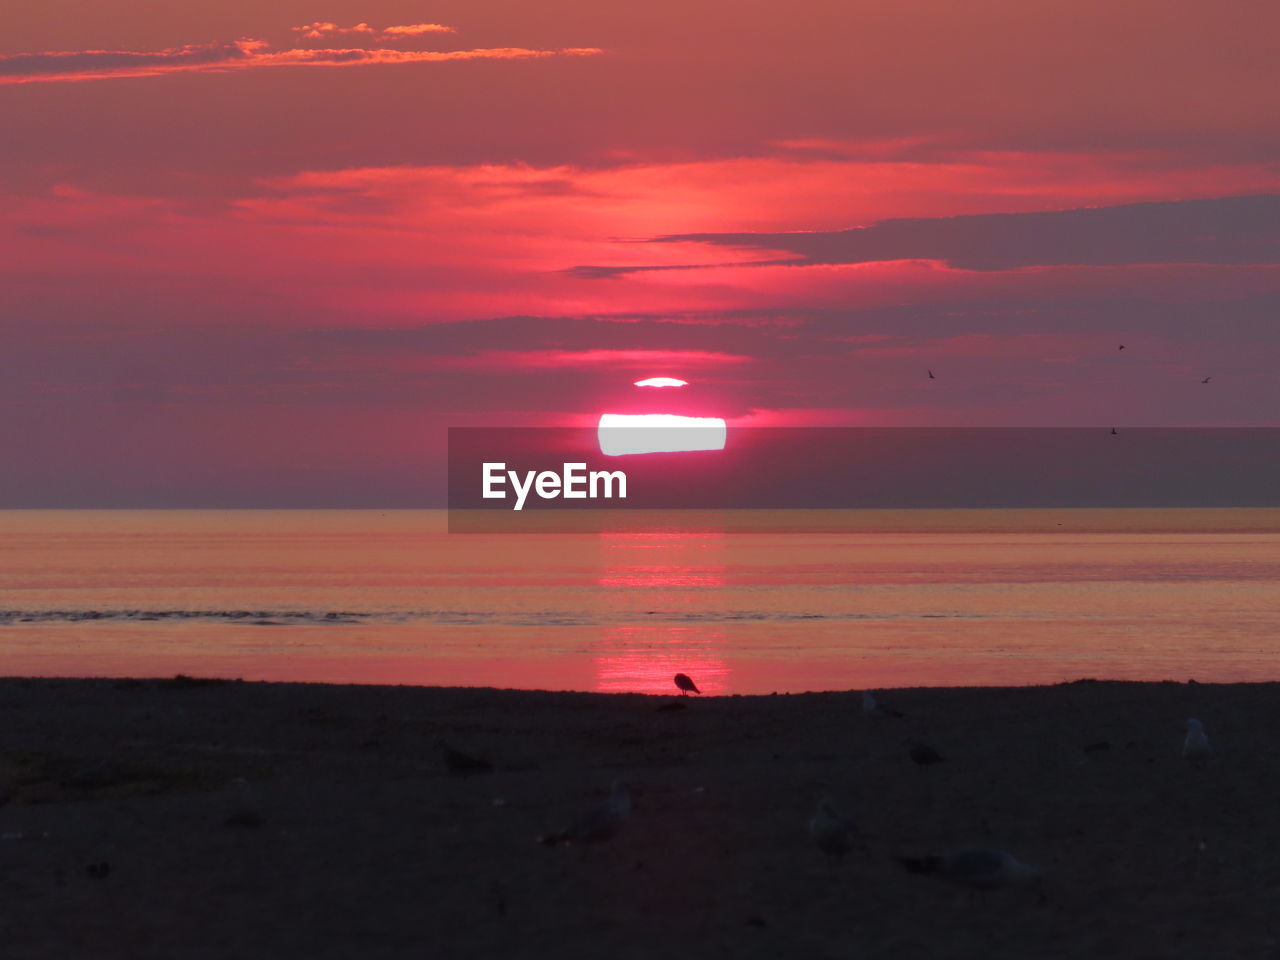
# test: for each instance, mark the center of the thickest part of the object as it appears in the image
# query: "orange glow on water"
(676, 576)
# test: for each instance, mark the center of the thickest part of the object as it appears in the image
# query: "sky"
(265, 253)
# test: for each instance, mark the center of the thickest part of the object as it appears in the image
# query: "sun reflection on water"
(667, 573)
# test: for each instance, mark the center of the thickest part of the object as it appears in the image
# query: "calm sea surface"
(899, 598)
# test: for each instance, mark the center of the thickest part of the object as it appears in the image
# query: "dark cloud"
(596, 272)
(1223, 230)
(127, 62)
(1226, 230)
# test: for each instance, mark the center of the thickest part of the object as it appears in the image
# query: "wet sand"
(190, 819)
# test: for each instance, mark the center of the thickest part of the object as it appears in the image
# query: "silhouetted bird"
(100, 775)
(931, 376)
(249, 819)
(600, 824)
(924, 755)
(978, 868)
(832, 833)
(686, 685)
(463, 764)
(1122, 346)
(1206, 379)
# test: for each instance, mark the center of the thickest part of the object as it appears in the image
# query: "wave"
(541, 618)
(251, 616)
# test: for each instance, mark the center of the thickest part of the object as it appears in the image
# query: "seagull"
(100, 775)
(1206, 379)
(686, 685)
(832, 833)
(600, 824)
(924, 755)
(462, 764)
(871, 707)
(979, 868)
(931, 376)
(1196, 746)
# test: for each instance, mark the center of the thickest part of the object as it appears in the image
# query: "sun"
(621, 434)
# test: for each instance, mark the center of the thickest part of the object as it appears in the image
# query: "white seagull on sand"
(600, 824)
(871, 707)
(832, 833)
(1196, 746)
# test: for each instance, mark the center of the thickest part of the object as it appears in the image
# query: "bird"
(931, 376)
(1206, 379)
(831, 832)
(686, 685)
(1122, 346)
(100, 775)
(463, 764)
(924, 755)
(602, 823)
(978, 868)
(871, 707)
(1196, 746)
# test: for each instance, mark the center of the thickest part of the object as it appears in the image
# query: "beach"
(197, 818)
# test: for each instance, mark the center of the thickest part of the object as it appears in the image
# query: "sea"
(819, 600)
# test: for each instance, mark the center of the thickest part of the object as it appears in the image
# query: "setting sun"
(621, 433)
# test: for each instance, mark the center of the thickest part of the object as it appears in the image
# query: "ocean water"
(895, 598)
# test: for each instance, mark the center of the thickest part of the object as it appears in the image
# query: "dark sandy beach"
(225, 819)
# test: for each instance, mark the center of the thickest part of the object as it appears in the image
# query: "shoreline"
(278, 820)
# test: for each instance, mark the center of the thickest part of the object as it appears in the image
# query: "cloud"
(324, 28)
(415, 29)
(66, 65)
(233, 55)
(1223, 230)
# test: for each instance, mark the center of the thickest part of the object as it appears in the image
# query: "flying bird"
(831, 832)
(686, 685)
(979, 868)
(1206, 379)
(924, 755)
(1196, 746)
(1122, 346)
(871, 707)
(931, 376)
(602, 823)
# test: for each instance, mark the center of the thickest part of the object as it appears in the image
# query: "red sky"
(264, 253)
